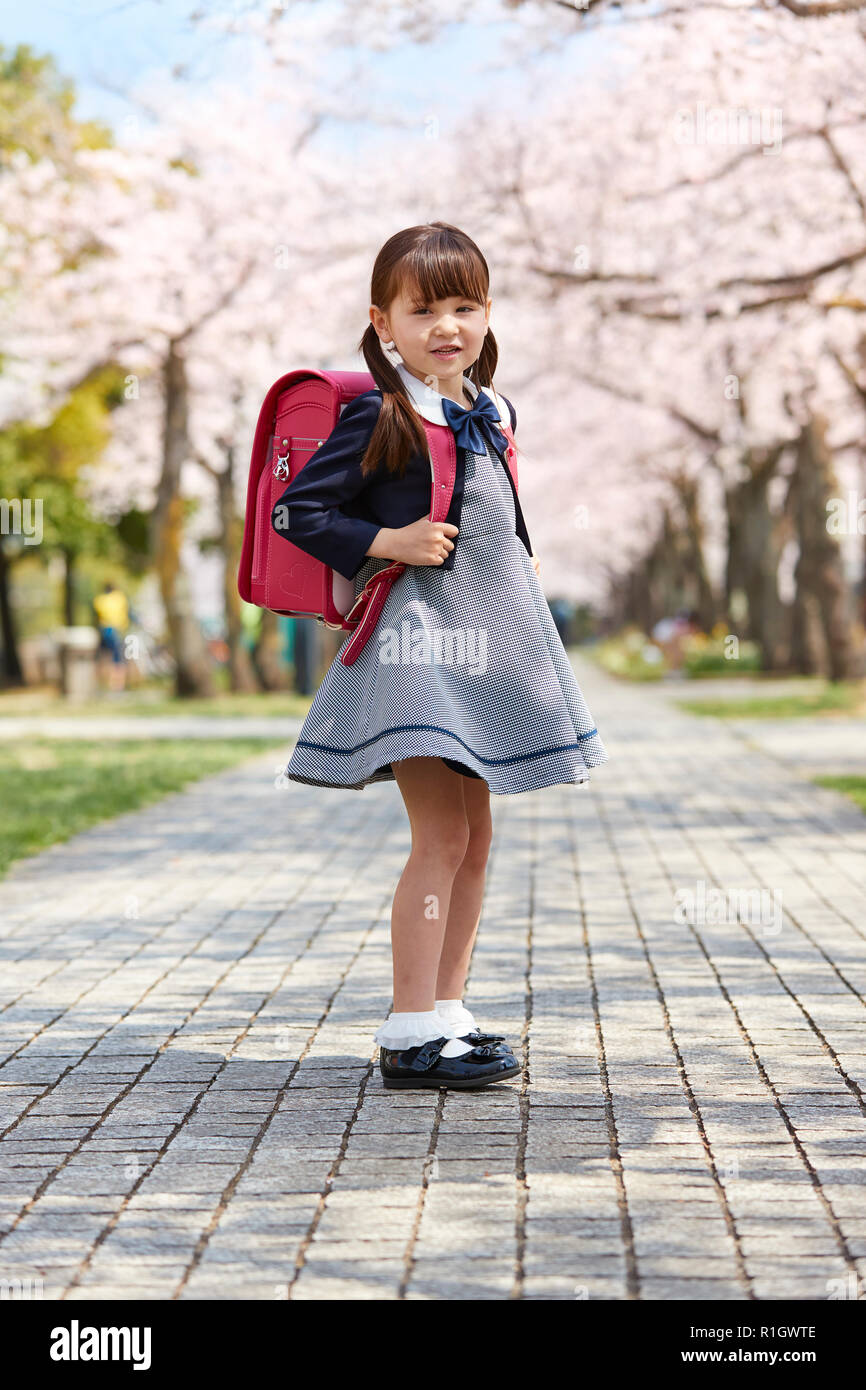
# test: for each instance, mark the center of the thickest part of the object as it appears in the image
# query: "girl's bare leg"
(467, 891)
(437, 904)
(438, 819)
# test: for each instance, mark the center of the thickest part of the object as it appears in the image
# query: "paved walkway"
(190, 1105)
(810, 744)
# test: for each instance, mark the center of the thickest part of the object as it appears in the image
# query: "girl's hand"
(424, 542)
(537, 565)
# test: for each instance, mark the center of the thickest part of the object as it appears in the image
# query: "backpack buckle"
(281, 467)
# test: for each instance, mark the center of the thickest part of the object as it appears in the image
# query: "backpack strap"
(366, 609)
(442, 448)
(511, 454)
(505, 426)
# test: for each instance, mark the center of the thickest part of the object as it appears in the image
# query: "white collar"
(429, 402)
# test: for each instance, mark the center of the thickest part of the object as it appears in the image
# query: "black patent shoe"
(417, 1068)
(495, 1040)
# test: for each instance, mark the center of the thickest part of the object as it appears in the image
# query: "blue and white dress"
(464, 664)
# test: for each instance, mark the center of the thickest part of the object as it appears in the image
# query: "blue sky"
(110, 46)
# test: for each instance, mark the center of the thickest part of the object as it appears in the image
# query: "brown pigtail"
(481, 372)
(398, 432)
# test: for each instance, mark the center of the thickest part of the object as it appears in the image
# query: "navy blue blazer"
(333, 513)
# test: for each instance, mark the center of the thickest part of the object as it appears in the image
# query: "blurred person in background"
(670, 633)
(562, 610)
(112, 616)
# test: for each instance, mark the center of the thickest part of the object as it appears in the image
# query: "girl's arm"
(308, 513)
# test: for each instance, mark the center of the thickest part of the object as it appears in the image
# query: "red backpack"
(298, 413)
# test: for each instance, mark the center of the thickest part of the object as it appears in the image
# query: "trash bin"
(78, 647)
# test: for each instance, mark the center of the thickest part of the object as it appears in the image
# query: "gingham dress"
(464, 664)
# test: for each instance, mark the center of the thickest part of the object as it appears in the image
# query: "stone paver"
(834, 744)
(189, 1105)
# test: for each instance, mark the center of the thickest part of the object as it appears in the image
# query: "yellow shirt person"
(112, 615)
(112, 609)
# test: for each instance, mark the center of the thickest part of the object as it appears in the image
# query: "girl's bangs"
(434, 272)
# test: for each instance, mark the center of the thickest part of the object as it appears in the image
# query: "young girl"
(506, 715)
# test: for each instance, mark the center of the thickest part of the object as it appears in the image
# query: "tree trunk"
(697, 592)
(823, 603)
(647, 593)
(637, 604)
(267, 655)
(756, 537)
(664, 576)
(10, 670)
(69, 587)
(193, 670)
(673, 575)
(231, 533)
(861, 597)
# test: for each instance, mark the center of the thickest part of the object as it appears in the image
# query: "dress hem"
(384, 772)
(360, 786)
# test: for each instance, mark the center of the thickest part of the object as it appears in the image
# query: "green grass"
(154, 700)
(855, 787)
(50, 790)
(843, 698)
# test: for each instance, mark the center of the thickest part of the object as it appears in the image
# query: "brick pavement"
(190, 1108)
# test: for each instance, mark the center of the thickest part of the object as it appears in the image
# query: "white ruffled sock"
(455, 1048)
(455, 1020)
(455, 1017)
(404, 1030)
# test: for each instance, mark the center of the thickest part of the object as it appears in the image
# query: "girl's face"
(440, 339)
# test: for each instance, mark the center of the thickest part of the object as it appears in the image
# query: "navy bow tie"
(472, 427)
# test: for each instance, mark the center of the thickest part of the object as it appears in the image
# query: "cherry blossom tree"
(725, 279)
(677, 238)
(175, 257)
